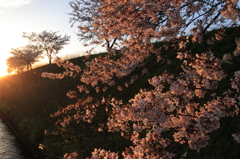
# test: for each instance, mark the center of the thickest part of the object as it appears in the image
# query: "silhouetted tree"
(48, 41)
(23, 57)
(15, 63)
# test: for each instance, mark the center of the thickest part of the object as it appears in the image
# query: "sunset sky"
(18, 16)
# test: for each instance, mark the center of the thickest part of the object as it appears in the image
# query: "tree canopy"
(86, 14)
(49, 41)
(23, 58)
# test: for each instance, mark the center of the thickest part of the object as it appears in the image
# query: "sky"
(18, 16)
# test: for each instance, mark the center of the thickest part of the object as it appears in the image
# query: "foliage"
(15, 63)
(85, 13)
(23, 58)
(48, 41)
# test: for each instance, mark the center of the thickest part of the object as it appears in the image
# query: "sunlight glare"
(8, 42)
(3, 70)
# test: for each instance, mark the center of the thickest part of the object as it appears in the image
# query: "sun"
(3, 70)
(9, 40)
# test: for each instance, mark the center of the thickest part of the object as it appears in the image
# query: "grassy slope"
(29, 99)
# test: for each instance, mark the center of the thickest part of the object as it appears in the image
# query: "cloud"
(6, 5)
(13, 3)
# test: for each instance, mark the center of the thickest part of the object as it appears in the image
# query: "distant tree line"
(47, 43)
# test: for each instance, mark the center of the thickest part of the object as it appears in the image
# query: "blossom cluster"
(72, 155)
(84, 109)
(70, 68)
(157, 111)
(101, 153)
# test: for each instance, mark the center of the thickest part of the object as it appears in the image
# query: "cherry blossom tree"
(48, 41)
(85, 13)
(15, 64)
(188, 104)
(23, 58)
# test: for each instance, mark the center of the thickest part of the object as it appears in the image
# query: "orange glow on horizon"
(3, 70)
